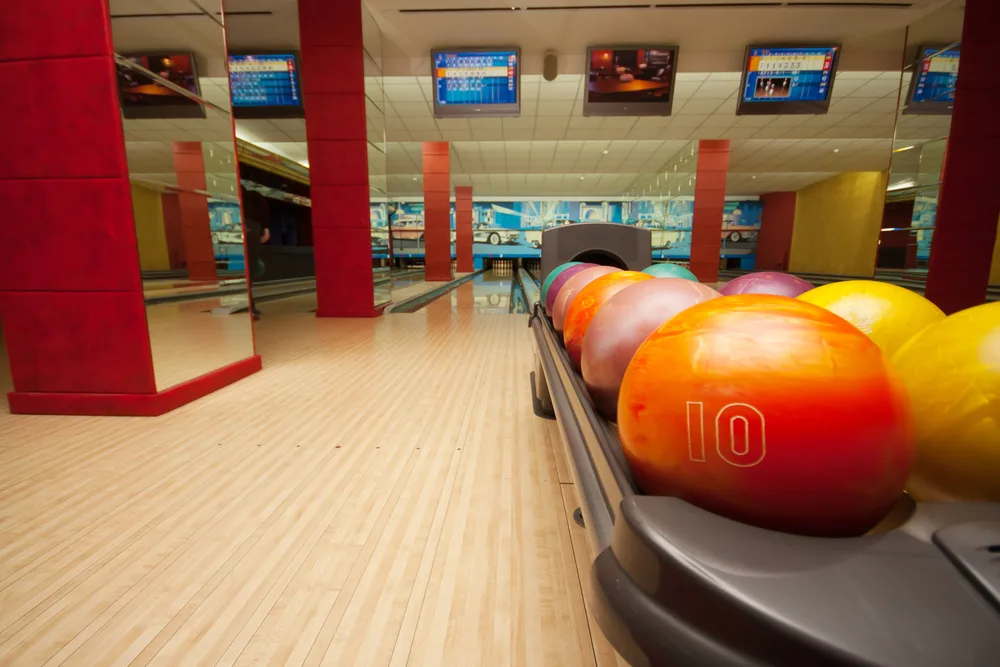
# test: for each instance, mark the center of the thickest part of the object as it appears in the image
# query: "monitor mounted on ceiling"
(630, 81)
(787, 79)
(265, 84)
(144, 96)
(932, 82)
(476, 83)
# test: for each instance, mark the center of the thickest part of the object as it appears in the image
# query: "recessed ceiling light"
(414, 178)
(753, 177)
(581, 178)
(836, 150)
(605, 152)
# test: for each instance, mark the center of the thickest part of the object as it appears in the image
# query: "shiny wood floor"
(381, 494)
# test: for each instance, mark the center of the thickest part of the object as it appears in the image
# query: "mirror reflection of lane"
(488, 293)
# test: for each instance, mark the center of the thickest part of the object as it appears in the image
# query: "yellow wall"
(837, 223)
(995, 272)
(147, 208)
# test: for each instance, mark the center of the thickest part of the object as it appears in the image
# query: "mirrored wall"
(924, 121)
(377, 161)
(185, 192)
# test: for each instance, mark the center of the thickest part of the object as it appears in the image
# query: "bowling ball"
(771, 411)
(668, 270)
(951, 371)
(588, 303)
(620, 327)
(890, 315)
(553, 274)
(559, 281)
(766, 282)
(571, 288)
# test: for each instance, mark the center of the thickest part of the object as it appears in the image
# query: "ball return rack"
(673, 585)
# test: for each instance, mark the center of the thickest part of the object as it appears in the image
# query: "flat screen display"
(265, 85)
(630, 81)
(932, 86)
(477, 83)
(787, 79)
(145, 97)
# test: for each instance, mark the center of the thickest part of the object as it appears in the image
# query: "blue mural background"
(514, 228)
(924, 213)
(227, 234)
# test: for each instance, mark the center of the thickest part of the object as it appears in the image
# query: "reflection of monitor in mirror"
(787, 79)
(630, 81)
(144, 97)
(476, 83)
(932, 82)
(265, 85)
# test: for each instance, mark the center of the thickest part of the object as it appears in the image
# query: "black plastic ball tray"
(673, 585)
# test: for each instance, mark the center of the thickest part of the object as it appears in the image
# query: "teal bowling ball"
(668, 270)
(547, 283)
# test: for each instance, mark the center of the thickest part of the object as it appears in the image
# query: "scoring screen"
(794, 74)
(480, 78)
(264, 80)
(937, 76)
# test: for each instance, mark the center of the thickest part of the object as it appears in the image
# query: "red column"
(173, 229)
(333, 85)
(709, 201)
(774, 242)
(463, 229)
(966, 224)
(70, 292)
(71, 295)
(189, 163)
(437, 211)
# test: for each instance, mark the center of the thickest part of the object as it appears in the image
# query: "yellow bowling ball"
(952, 373)
(890, 315)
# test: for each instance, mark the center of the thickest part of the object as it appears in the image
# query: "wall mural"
(227, 234)
(514, 228)
(924, 212)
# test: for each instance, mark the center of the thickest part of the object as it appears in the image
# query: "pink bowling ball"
(571, 288)
(560, 280)
(621, 326)
(766, 282)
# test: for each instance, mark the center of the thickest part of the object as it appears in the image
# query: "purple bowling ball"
(569, 272)
(766, 282)
(623, 324)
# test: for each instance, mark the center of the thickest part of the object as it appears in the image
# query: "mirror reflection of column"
(185, 188)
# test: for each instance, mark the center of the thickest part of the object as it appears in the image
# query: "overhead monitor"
(476, 83)
(932, 85)
(265, 85)
(630, 81)
(787, 79)
(143, 96)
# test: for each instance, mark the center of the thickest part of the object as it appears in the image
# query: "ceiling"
(552, 149)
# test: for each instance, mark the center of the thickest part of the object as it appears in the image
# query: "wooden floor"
(381, 494)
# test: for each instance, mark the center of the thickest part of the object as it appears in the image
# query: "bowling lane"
(487, 294)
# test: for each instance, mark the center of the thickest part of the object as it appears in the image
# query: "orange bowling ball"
(771, 411)
(586, 304)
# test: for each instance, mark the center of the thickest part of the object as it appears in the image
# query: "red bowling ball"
(620, 327)
(771, 411)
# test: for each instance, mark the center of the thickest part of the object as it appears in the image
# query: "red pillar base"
(131, 405)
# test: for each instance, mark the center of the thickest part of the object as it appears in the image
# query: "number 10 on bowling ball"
(769, 411)
(739, 434)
